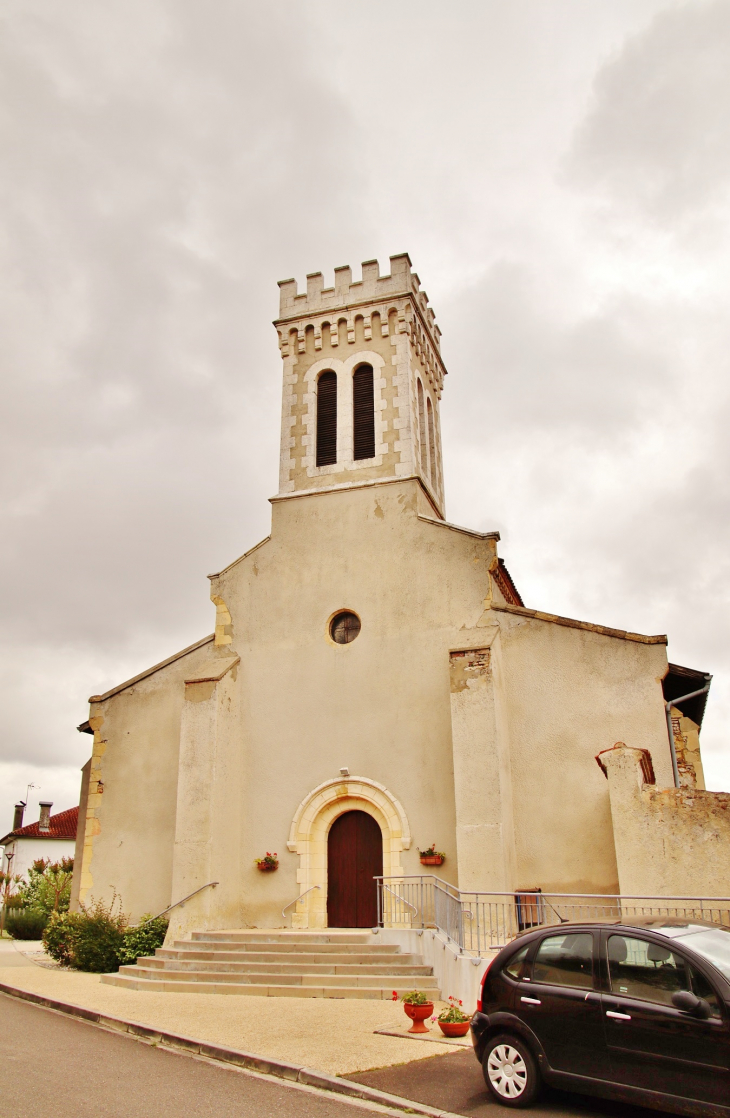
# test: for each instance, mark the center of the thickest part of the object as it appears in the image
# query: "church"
(375, 685)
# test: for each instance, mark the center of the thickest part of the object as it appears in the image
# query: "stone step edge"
(299, 990)
(373, 968)
(389, 981)
(264, 1065)
(274, 947)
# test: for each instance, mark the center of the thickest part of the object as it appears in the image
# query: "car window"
(513, 966)
(640, 969)
(565, 960)
(714, 944)
(701, 987)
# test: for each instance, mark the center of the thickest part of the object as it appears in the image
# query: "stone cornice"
(587, 626)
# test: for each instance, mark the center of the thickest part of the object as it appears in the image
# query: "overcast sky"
(558, 171)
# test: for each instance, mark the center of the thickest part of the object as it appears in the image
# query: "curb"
(310, 1077)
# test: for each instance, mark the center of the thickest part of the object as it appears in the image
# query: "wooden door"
(354, 859)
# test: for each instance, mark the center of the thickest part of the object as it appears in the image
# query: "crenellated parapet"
(381, 328)
(387, 304)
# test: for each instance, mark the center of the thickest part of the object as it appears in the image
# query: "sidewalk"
(334, 1035)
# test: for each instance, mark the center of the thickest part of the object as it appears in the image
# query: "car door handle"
(618, 1016)
(531, 1001)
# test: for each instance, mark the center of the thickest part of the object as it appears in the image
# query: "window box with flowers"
(432, 856)
(453, 1021)
(268, 863)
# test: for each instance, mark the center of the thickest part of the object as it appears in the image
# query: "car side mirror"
(690, 1003)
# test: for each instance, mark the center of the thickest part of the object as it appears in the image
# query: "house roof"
(683, 681)
(61, 826)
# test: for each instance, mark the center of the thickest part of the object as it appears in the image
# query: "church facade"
(374, 684)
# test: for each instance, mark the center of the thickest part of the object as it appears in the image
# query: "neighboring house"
(375, 683)
(52, 837)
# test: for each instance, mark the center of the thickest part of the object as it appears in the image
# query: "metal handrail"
(477, 920)
(299, 898)
(528, 892)
(209, 885)
(401, 899)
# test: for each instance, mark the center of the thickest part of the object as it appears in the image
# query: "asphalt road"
(54, 1065)
(455, 1083)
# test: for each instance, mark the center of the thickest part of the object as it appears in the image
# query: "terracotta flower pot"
(454, 1028)
(268, 869)
(432, 859)
(418, 1014)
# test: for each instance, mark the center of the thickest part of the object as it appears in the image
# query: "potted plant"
(269, 863)
(417, 1007)
(432, 856)
(453, 1021)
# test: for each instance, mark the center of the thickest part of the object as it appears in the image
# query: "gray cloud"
(167, 163)
(657, 135)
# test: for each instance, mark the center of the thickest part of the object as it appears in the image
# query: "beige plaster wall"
(500, 773)
(130, 827)
(669, 841)
(567, 693)
(379, 706)
(482, 774)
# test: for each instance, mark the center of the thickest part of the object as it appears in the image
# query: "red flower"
(395, 996)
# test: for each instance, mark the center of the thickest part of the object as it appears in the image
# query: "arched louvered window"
(422, 443)
(327, 419)
(363, 413)
(431, 443)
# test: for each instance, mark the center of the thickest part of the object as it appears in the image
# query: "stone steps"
(170, 986)
(279, 964)
(415, 982)
(268, 967)
(246, 958)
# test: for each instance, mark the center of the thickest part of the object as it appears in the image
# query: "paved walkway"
(73, 1070)
(333, 1035)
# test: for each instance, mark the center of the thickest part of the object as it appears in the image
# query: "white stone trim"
(310, 828)
(345, 371)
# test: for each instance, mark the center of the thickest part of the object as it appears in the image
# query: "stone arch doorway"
(309, 837)
(354, 860)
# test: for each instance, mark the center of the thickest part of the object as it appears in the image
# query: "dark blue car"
(636, 1011)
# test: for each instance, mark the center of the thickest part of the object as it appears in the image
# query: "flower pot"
(268, 869)
(418, 1014)
(454, 1028)
(432, 859)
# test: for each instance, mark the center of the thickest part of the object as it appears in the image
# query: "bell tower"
(363, 378)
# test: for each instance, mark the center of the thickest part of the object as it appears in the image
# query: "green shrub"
(143, 940)
(98, 939)
(59, 937)
(25, 923)
(49, 885)
(89, 940)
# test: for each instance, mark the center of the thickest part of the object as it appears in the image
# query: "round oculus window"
(344, 627)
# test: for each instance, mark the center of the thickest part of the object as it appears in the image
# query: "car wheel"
(510, 1071)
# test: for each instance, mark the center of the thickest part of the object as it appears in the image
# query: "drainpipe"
(668, 711)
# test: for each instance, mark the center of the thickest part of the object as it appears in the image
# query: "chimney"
(18, 815)
(44, 824)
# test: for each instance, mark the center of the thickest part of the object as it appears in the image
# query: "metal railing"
(480, 922)
(180, 903)
(297, 899)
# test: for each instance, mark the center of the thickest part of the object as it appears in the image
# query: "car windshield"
(714, 944)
